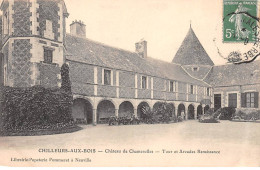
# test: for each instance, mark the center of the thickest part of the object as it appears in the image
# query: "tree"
(65, 78)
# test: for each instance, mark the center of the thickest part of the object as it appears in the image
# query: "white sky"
(163, 23)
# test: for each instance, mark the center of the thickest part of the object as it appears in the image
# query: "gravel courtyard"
(237, 142)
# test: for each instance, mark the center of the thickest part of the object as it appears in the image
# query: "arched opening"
(181, 111)
(105, 109)
(206, 108)
(191, 112)
(126, 109)
(199, 111)
(82, 111)
(172, 108)
(141, 109)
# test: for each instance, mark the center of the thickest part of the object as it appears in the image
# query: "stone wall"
(20, 65)
(49, 75)
(144, 94)
(160, 95)
(127, 92)
(171, 96)
(49, 10)
(21, 18)
(224, 91)
(158, 84)
(126, 79)
(81, 73)
(106, 91)
(82, 89)
(192, 97)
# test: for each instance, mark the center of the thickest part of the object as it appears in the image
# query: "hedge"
(37, 108)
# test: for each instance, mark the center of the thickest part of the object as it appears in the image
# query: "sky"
(162, 23)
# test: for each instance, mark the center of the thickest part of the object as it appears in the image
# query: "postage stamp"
(131, 83)
(240, 21)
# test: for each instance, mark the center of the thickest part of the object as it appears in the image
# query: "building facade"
(108, 81)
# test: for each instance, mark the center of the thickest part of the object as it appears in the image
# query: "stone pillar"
(239, 100)
(94, 117)
(203, 107)
(195, 114)
(135, 112)
(116, 112)
(176, 111)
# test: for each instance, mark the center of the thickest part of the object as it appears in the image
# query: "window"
(107, 77)
(249, 100)
(232, 100)
(48, 55)
(195, 69)
(208, 91)
(171, 86)
(144, 82)
(6, 24)
(191, 89)
(1, 70)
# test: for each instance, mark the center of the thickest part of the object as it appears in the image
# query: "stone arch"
(140, 109)
(82, 111)
(181, 108)
(199, 111)
(172, 107)
(191, 112)
(157, 105)
(206, 108)
(105, 109)
(126, 109)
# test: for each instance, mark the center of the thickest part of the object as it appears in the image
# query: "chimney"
(78, 28)
(141, 48)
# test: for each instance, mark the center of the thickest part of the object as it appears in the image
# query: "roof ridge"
(195, 77)
(231, 64)
(100, 43)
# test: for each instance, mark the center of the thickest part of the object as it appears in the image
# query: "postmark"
(237, 37)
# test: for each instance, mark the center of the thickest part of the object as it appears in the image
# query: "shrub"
(227, 113)
(164, 112)
(65, 78)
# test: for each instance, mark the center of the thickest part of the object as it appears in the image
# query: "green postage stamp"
(240, 21)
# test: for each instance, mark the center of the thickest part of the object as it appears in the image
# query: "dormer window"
(195, 69)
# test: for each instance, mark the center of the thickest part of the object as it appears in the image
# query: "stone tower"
(193, 57)
(32, 42)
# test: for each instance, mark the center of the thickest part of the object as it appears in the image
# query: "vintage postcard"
(129, 83)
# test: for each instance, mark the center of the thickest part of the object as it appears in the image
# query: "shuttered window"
(232, 100)
(249, 100)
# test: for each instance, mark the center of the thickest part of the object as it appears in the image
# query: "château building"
(108, 81)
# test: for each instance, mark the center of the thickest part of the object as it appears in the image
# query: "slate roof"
(231, 74)
(95, 53)
(191, 52)
(201, 73)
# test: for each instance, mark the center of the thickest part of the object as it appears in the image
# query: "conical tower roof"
(192, 52)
